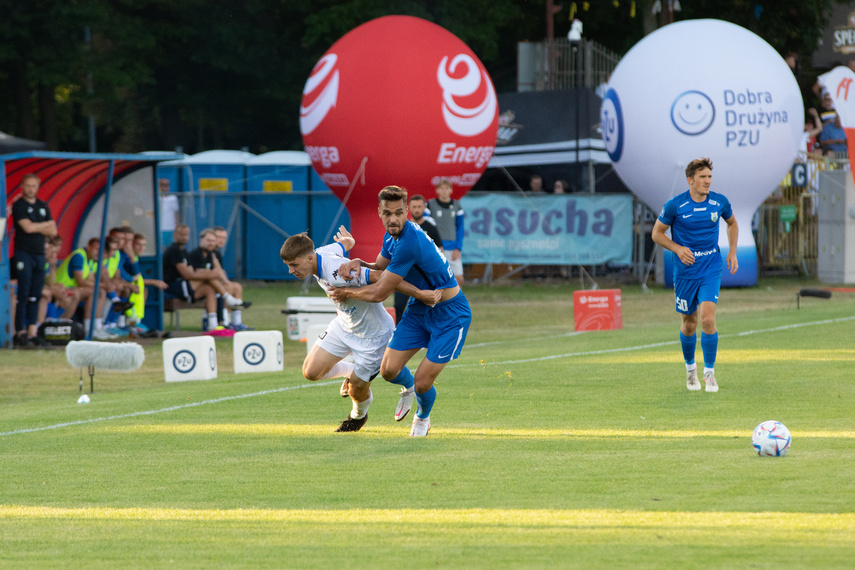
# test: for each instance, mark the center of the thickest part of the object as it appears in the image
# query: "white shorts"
(367, 352)
(455, 265)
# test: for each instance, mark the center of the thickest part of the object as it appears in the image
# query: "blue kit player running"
(408, 254)
(693, 217)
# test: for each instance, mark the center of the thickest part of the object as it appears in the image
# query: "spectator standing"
(448, 215)
(535, 183)
(169, 211)
(813, 127)
(33, 222)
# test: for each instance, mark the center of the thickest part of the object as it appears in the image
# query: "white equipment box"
(303, 312)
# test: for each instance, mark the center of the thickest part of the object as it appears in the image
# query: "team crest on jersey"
(714, 216)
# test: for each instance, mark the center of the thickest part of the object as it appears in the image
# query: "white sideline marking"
(169, 409)
(528, 338)
(287, 388)
(655, 345)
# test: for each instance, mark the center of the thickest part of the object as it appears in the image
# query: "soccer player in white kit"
(360, 328)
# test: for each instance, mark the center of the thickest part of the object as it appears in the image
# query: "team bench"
(174, 306)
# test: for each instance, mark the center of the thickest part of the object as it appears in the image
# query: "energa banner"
(570, 229)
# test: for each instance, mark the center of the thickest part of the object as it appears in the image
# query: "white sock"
(710, 370)
(120, 322)
(99, 324)
(231, 300)
(236, 318)
(340, 370)
(86, 324)
(212, 321)
(692, 366)
(361, 408)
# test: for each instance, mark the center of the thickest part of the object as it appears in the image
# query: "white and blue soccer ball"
(771, 439)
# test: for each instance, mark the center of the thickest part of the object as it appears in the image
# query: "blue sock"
(688, 343)
(425, 401)
(112, 296)
(709, 345)
(404, 378)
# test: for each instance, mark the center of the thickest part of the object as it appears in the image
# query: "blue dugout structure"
(260, 200)
(87, 194)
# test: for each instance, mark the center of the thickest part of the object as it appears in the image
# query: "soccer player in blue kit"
(408, 254)
(693, 217)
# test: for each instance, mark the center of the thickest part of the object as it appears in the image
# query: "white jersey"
(363, 319)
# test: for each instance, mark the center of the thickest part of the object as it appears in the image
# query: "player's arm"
(373, 293)
(426, 296)
(346, 269)
(732, 237)
(47, 228)
(189, 273)
(458, 243)
(221, 273)
(344, 238)
(156, 283)
(659, 237)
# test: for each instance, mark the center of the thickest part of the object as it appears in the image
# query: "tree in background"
(160, 74)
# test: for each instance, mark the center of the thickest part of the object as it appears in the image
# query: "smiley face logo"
(692, 113)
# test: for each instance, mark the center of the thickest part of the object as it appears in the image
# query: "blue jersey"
(415, 257)
(695, 225)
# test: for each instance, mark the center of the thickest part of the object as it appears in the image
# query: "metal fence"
(786, 245)
(562, 64)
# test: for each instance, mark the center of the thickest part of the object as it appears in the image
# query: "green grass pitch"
(549, 449)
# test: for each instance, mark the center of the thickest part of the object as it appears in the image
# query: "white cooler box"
(304, 312)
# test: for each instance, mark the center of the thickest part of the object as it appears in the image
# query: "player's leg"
(708, 296)
(447, 324)
(409, 337)
(236, 290)
(36, 287)
(24, 265)
(685, 293)
(47, 297)
(324, 359)
(203, 290)
(367, 355)
(71, 300)
(321, 365)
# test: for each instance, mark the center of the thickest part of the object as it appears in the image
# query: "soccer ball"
(771, 439)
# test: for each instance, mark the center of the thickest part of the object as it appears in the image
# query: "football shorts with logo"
(367, 351)
(441, 329)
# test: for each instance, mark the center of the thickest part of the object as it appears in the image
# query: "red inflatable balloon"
(397, 100)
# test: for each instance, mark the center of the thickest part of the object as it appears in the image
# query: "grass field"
(549, 449)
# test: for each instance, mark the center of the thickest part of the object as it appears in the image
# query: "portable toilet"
(282, 203)
(217, 180)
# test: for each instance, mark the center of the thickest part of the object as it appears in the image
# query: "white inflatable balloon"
(704, 88)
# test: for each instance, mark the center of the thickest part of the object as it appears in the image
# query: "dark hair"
(298, 245)
(697, 164)
(393, 194)
(417, 197)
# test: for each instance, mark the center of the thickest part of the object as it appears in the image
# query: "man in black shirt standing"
(33, 222)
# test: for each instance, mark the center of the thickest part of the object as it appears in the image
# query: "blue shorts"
(181, 289)
(690, 293)
(442, 329)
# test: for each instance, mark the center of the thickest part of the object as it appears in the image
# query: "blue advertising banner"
(571, 229)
